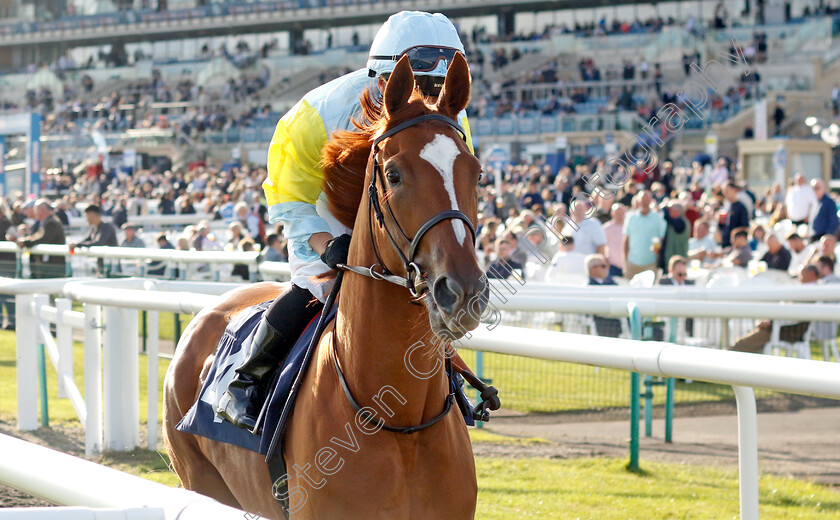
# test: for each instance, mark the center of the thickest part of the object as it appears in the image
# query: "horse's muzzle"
(460, 302)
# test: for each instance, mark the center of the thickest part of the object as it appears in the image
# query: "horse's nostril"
(447, 293)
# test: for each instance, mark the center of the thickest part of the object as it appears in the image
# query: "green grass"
(480, 435)
(594, 488)
(151, 465)
(604, 489)
(167, 324)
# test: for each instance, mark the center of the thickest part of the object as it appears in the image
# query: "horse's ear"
(399, 86)
(455, 94)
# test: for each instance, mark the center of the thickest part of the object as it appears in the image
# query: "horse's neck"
(376, 327)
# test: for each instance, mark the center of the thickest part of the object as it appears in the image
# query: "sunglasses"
(422, 58)
(681, 275)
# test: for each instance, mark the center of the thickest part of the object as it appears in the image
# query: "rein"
(413, 280)
(450, 398)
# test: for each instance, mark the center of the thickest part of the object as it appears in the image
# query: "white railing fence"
(742, 371)
(111, 383)
(720, 314)
(66, 480)
(110, 410)
(189, 265)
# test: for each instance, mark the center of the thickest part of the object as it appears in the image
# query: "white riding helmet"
(430, 40)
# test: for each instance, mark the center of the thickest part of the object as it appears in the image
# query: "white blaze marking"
(441, 154)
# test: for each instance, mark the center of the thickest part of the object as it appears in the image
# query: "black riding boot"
(276, 334)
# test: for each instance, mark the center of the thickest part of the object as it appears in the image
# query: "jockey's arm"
(294, 180)
(318, 242)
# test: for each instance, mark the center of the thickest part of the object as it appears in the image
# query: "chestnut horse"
(344, 464)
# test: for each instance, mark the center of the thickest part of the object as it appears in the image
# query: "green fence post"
(648, 405)
(143, 318)
(177, 320)
(669, 408)
(636, 334)
(42, 387)
(669, 388)
(479, 373)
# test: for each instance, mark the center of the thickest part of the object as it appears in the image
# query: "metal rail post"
(648, 394)
(42, 386)
(747, 451)
(27, 364)
(41, 300)
(635, 333)
(669, 388)
(177, 321)
(479, 372)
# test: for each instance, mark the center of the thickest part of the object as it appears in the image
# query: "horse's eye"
(393, 176)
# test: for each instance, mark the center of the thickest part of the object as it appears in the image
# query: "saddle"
(201, 418)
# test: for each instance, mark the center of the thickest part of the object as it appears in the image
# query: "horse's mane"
(345, 155)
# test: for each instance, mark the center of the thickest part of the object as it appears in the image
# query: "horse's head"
(421, 206)
(431, 177)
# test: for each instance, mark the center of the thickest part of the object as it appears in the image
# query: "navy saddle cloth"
(201, 419)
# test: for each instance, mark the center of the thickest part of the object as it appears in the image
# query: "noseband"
(413, 279)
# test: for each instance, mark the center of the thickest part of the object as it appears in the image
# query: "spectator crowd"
(545, 224)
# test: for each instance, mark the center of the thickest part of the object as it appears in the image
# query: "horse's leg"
(246, 475)
(196, 472)
(182, 383)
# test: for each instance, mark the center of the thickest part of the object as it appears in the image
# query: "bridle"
(415, 285)
(413, 279)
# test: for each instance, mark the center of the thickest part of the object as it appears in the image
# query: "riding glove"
(336, 251)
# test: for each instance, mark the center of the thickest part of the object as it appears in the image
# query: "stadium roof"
(111, 29)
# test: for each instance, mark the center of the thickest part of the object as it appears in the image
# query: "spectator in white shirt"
(613, 231)
(799, 253)
(799, 200)
(720, 175)
(566, 261)
(589, 235)
(539, 255)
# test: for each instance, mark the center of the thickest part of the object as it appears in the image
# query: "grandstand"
(719, 122)
(589, 79)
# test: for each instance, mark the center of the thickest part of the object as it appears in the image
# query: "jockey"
(317, 240)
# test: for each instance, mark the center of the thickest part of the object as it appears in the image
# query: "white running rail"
(118, 301)
(742, 371)
(66, 480)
